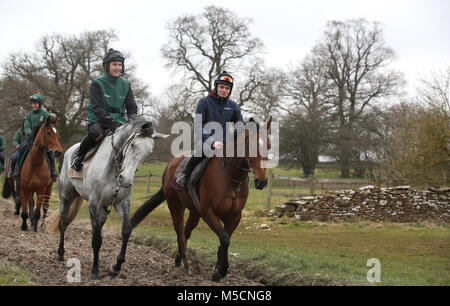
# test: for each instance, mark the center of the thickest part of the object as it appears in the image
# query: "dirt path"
(145, 265)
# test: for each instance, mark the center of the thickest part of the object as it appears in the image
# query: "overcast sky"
(418, 30)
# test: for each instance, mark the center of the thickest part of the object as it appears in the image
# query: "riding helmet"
(37, 97)
(224, 78)
(113, 56)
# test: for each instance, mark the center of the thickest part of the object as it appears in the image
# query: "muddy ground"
(144, 266)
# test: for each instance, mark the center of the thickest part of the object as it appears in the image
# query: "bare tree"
(266, 98)
(204, 45)
(305, 128)
(355, 56)
(416, 147)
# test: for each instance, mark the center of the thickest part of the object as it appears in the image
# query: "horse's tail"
(52, 222)
(147, 207)
(6, 188)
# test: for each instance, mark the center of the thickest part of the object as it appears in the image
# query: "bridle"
(245, 170)
(119, 157)
(44, 147)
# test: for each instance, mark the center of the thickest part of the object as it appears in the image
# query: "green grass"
(302, 253)
(11, 275)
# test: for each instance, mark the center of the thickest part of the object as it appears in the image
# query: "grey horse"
(107, 182)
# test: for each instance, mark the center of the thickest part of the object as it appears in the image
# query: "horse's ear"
(146, 129)
(52, 119)
(269, 122)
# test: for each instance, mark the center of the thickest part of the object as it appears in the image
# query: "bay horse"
(223, 191)
(108, 181)
(35, 176)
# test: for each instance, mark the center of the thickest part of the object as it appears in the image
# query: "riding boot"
(13, 166)
(85, 145)
(183, 176)
(53, 172)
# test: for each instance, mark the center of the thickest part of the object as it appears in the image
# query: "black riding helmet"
(113, 56)
(224, 78)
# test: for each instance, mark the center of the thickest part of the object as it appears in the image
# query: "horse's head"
(138, 145)
(48, 137)
(259, 140)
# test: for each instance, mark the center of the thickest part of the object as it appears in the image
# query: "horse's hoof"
(216, 276)
(16, 213)
(112, 271)
(178, 261)
(94, 276)
(61, 258)
(24, 228)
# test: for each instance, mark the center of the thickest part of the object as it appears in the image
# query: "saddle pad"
(196, 173)
(22, 160)
(82, 174)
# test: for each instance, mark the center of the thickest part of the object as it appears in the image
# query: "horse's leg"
(15, 193)
(24, 199)
(31, 209)
(221, 268)
(37, 211)
(191, 223)
(177, 212)
(98, 218)
(123, 210)
(46, 200)
(67, 195)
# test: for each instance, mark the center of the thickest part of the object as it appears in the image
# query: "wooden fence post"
(269, 190)
(148, 183)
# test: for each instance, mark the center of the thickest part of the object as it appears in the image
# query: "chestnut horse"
(223, 191)
(35, 177)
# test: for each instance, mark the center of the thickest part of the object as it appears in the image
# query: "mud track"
(144, 266)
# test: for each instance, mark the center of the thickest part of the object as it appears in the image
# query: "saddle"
(87, 158)
(21, 160)
(193, 180)
(86, 163)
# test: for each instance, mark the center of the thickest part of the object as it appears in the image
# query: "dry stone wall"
(396, 204)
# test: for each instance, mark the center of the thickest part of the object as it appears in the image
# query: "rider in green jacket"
(111, 97)
(19, 138)
(32, 122)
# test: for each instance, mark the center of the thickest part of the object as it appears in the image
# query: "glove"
(114, 126)
(107, 123)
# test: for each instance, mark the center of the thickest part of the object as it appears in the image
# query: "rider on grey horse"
(111, 95)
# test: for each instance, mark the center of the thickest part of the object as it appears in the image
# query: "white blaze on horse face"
(54, 130)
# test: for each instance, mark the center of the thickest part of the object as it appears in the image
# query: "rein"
(245, 170)
(119, 157)
(41, 147)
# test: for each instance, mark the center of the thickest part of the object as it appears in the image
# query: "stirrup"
(77, 164)
(181, 179)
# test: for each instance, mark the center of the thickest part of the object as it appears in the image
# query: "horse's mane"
(36, 129)
(123, 132)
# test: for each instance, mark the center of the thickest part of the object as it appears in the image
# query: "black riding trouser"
(94, 135)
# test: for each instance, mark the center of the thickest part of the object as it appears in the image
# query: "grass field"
(302, 253)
